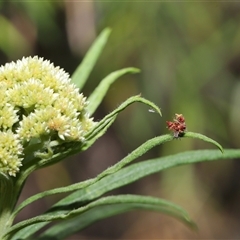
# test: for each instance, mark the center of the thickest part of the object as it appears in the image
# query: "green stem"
(7, 202)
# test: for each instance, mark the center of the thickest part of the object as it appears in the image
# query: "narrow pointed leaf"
(125, 104)
(115, 205)
(96, 97)
(134, 201)
(83, 71)
(139, 170)
(204, 138)
(26, 233)
(145, 147)
(101, 131)
(134, 172)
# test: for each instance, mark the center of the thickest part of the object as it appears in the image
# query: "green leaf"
(128, 159)
(139, 170)
(64, 229)
(204, 138)
(110, 206)
(133, 201)
(132, 173)
(101, 131)
(83, 71)
(27, 232)
(96, 97)
(145, 147)
(125, 104)
(135, 154)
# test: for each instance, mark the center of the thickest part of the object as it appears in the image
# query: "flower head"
(178, 126)
(37, 101)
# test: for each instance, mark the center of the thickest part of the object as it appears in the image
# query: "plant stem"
(7, 202)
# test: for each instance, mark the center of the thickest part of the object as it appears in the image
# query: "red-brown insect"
(178, 126)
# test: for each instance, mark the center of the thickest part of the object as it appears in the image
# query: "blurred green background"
(189, 56)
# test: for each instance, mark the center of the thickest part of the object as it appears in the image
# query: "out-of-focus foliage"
(189, 56)
(184, 51)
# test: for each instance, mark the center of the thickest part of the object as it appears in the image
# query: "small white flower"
(37, 101)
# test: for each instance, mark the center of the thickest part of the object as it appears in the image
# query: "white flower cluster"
(37, 100)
